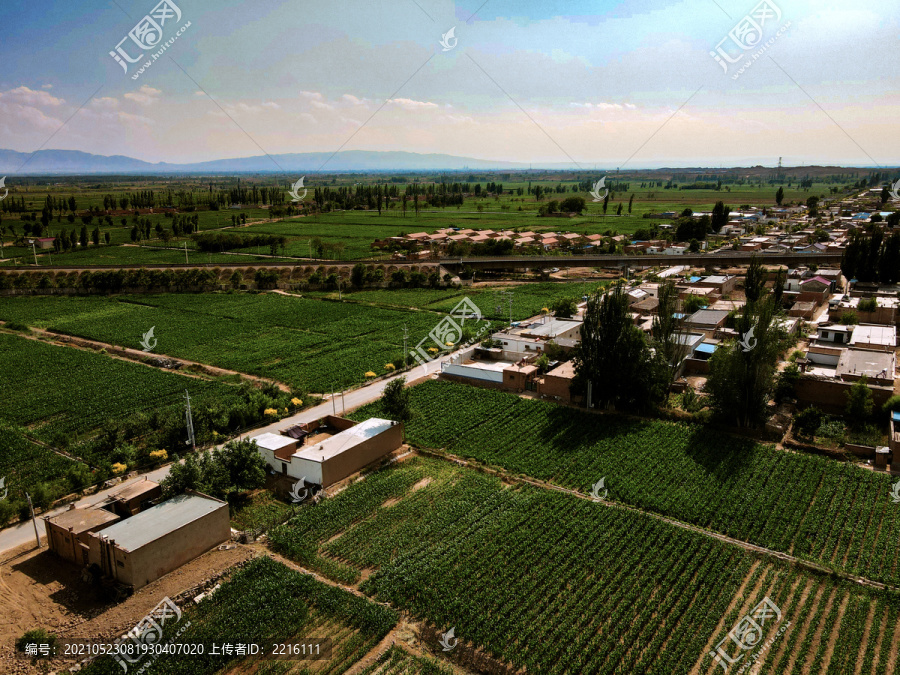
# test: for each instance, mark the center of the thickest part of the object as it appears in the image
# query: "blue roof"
(895, 416)
(706, 348)
(693, 279)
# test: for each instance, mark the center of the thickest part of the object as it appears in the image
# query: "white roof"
(348, 438)
(874, 335)
(271, 441)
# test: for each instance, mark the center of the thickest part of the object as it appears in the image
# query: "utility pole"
(190, 422)
(343, 404)
(509, 296)
(37, 537)
(333, 408)
(185, 254)
(405, 339)
(34, 251)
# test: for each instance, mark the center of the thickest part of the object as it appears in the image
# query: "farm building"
(68, 534)
(323, 458)
(141, 549)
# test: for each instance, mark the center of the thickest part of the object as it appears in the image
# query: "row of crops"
(266, 603)
(557, 584)
(397, 661)
(25, 464)
(830, 512)
(311, 345)
(527, 299)
(54, 389)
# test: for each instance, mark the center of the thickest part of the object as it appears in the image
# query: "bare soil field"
(40, 590)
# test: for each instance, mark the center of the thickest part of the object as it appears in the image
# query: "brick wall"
(830, 395)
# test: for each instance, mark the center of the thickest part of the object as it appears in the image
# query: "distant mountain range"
(76, 162)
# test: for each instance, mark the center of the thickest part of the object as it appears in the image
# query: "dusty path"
(137, 356)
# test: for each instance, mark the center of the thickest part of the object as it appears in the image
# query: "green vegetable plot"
(830, 512)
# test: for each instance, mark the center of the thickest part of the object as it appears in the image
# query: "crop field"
(528, 298)
(120, 249)
(54, 389)
(829, 512)
(267, 603)
(560, 584)
(24, 463)
(397, 661)
(310, 345)
(356, 230)
(135, 255)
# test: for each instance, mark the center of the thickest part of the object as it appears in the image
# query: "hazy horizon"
(637, 85)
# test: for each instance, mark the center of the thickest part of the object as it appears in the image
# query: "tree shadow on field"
(718, 452)
(569, 429)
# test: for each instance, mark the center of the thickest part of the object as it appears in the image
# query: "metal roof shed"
(153, 543)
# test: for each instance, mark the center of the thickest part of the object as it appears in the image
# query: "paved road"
(20, 534)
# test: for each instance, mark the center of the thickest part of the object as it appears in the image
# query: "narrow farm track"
(133, 355)
(800, 562)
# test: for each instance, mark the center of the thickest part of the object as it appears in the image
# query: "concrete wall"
(825, 356)
(484, 384)
(303, 468)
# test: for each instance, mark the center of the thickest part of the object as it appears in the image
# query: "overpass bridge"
(497, 263)
(731, 258)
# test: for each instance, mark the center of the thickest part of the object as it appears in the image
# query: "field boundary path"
(786, 557)
(135, 356)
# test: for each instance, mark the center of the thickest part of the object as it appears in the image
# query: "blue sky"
(609, 83)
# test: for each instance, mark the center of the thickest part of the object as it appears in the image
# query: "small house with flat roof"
(149, 545)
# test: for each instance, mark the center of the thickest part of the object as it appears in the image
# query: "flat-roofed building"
(68, 533)
(879, 338)
(877, 367)
(149, 545)
(333, 457)
(336, 457)
(706, 320)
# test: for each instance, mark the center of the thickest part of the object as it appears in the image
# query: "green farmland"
(353, 231)
(311, 345)
(832, 513)
(558, 584)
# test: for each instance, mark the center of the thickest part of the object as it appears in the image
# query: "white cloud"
(410, 104)
(29, 97)
(353, 100)
(46, 86)
(605, 106)
(145, 95)
(106, 102)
